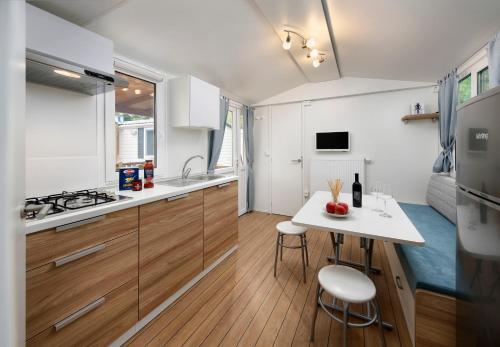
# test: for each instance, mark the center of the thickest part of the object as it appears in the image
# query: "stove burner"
(70, 201)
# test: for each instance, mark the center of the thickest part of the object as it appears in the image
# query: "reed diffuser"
(335, 188)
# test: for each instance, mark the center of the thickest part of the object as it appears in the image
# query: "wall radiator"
(324, 170)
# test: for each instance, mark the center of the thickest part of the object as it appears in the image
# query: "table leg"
(337, 242)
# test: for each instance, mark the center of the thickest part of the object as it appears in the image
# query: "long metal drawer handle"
(224, 185)
(398, 282)
(78, 255)
(78, 314)
(80, 223)
(177, 197)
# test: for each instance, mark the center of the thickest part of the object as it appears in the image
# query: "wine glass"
(377, 190)
(386, 196)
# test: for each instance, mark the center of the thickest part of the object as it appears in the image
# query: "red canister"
(137, 185)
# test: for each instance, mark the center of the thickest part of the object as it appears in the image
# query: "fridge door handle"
(478, 199)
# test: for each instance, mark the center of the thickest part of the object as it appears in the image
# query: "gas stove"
(37, 208)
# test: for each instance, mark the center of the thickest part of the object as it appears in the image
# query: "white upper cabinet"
(193, 103)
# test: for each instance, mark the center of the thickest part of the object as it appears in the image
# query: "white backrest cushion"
(441, 195)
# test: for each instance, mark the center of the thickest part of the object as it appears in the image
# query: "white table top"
(363, 222)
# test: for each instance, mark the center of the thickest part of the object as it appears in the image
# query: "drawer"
(405, 292)
(99, 323)
(55, 290)
(45, 246)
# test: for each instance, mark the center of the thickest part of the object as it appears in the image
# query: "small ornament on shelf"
(417, 108)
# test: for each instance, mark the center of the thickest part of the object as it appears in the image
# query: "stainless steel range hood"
(51, 71)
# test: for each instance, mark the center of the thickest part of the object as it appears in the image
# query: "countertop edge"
(160, 192)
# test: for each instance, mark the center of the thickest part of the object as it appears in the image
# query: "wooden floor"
(240, 303)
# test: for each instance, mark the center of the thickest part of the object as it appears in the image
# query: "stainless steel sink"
(179, 182)
(206, 177)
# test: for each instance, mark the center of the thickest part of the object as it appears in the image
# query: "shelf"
(412, 117)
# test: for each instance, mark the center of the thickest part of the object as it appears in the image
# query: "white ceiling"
(414, 40)
(236, 44)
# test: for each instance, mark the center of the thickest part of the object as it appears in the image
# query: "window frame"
(472, 66)
(135, 69)
(479, 84)
(236, 109)
(469, 75)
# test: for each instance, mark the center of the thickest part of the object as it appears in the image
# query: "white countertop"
(364, 222)
(144, 196)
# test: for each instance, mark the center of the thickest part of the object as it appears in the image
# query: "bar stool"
(287, 228)
(352, 287)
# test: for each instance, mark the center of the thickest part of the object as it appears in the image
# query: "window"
(483, 80)
(464, 89)
(226, 153)
(135, 121)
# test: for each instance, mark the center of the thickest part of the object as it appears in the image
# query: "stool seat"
(346, 284)
(288, 228)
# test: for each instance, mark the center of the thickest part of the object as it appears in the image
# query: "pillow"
(441, 195)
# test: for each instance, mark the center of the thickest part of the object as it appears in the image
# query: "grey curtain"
(447, 101)
(494, 61)
(249, 147)
(215, 137)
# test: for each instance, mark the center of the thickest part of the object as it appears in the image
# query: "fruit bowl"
(337, 215)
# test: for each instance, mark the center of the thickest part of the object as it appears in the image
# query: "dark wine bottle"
(357, 192)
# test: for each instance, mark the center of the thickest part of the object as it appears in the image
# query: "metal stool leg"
(346, 322)
(380, 323)
(313, 327)
(281, 247)
(276, 256)
(307, 252)
(302, 250)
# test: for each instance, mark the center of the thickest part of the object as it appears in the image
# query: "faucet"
(185, 172)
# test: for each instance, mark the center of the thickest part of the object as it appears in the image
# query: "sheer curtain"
(248, 120)
(447, 101)
(216, 137)
(494, 61)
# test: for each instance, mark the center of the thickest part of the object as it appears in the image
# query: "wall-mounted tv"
(333, 141)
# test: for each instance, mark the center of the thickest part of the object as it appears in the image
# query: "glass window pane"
(135, 115)
(464, 89)
(483, 80)
(226, 153)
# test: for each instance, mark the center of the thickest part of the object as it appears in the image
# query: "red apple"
(330, 207)
(339, 209)
(345, 206)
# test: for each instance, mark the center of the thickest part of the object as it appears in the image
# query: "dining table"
(365, 222)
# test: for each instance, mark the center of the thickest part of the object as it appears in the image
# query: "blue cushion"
(431, 267)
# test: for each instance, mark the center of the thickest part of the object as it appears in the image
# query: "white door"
(241, 165)
(12, 144)
(286, 159)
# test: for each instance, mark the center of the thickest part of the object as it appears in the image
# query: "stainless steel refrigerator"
(478, 220)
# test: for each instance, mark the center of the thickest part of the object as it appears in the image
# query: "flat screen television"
(333, 141)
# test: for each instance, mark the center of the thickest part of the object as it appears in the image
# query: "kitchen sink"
(206, 177)
(179, 182)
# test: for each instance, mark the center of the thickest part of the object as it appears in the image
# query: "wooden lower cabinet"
(111, 316)
(54, 291)
(170, 247)
(220, 221)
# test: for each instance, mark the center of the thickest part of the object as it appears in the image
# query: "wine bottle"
(357, 192)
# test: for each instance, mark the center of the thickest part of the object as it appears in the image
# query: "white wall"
(12, 228)
(401, 154)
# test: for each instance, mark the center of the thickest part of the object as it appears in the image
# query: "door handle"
(297, 160)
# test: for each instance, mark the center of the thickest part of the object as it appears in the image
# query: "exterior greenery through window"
(483, 80)
(464, 89)
(135, 120)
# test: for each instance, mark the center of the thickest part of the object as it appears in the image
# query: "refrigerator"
(478, 220)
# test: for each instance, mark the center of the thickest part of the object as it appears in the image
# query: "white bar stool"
(352, 287)
(287, 228)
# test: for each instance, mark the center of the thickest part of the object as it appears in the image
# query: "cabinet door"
(220, 221)
(203, 104)
(170, 248)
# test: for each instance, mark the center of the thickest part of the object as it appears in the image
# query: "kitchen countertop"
(159, 192)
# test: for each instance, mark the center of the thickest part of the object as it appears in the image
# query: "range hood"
(51, 71)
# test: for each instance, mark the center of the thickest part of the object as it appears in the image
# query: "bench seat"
(431, 267)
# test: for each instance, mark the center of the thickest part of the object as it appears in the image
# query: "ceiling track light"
(307, 44)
